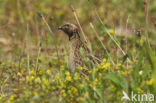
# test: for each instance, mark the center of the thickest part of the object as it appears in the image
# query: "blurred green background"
(28, 48)
(17, 17)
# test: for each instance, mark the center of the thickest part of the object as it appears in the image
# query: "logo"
(138, 97)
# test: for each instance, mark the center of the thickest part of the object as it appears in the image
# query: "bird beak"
(60, 28)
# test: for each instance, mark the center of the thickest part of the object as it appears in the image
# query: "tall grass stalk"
(146, 4)
(27, 48)
(92, 26)
(51, 32)
(110, 35)
(77, 20)
(37, 59)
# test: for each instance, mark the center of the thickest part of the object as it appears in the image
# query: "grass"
(34, 54)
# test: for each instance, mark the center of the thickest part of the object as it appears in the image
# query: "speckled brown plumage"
(75, 43)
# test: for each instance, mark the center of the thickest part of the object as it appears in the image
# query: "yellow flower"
(119, 64)
(47, 91)
(35, 92)
(26, 95)
(100, 74)
(118, 71)
(90, 71)
(40, 72)
(123, 73)
(64, 94)
(140, 90)
(141, 41)
(19, 74)
(86, 78)
(32, 72)
(58, 86)
(32, 102)
(63, 91)
(22, 71)
(53, 88)
(104, 60)
(113, 88)
(107, 65)
(104, 70)
(111, 31)
(67, 73)
(31, 13)
(81, 68)
(130, 62)
(68, 78)
(15, 90)
(60, 81)
(69, 91)
(79, 99)
(74, 89)
(64, 86)
(96, 69)
(91, 84)
(76, 76)
(81, 85)
(150, 82)
(119, 93)
(62, 66)
(136, 61)
(45, 81)
(48, 71)
(86, 94)
(12, 97)
(32, 78)
(43, 86)
(37, 80)
(96, 80)
(134, 50)
(124, 67)
(18, 100)
(56, 77)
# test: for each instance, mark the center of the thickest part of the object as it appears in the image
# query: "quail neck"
(75, 43)
(71, 30)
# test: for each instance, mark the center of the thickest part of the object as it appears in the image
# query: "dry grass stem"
(28, 56)
(77, 20)
(51, 32)
(92, 26)
(110, 35)
(47, 25)
(146, 4)
(37, 59)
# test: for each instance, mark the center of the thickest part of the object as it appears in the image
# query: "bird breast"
(71, 57)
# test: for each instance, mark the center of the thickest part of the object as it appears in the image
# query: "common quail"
(75, 43)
